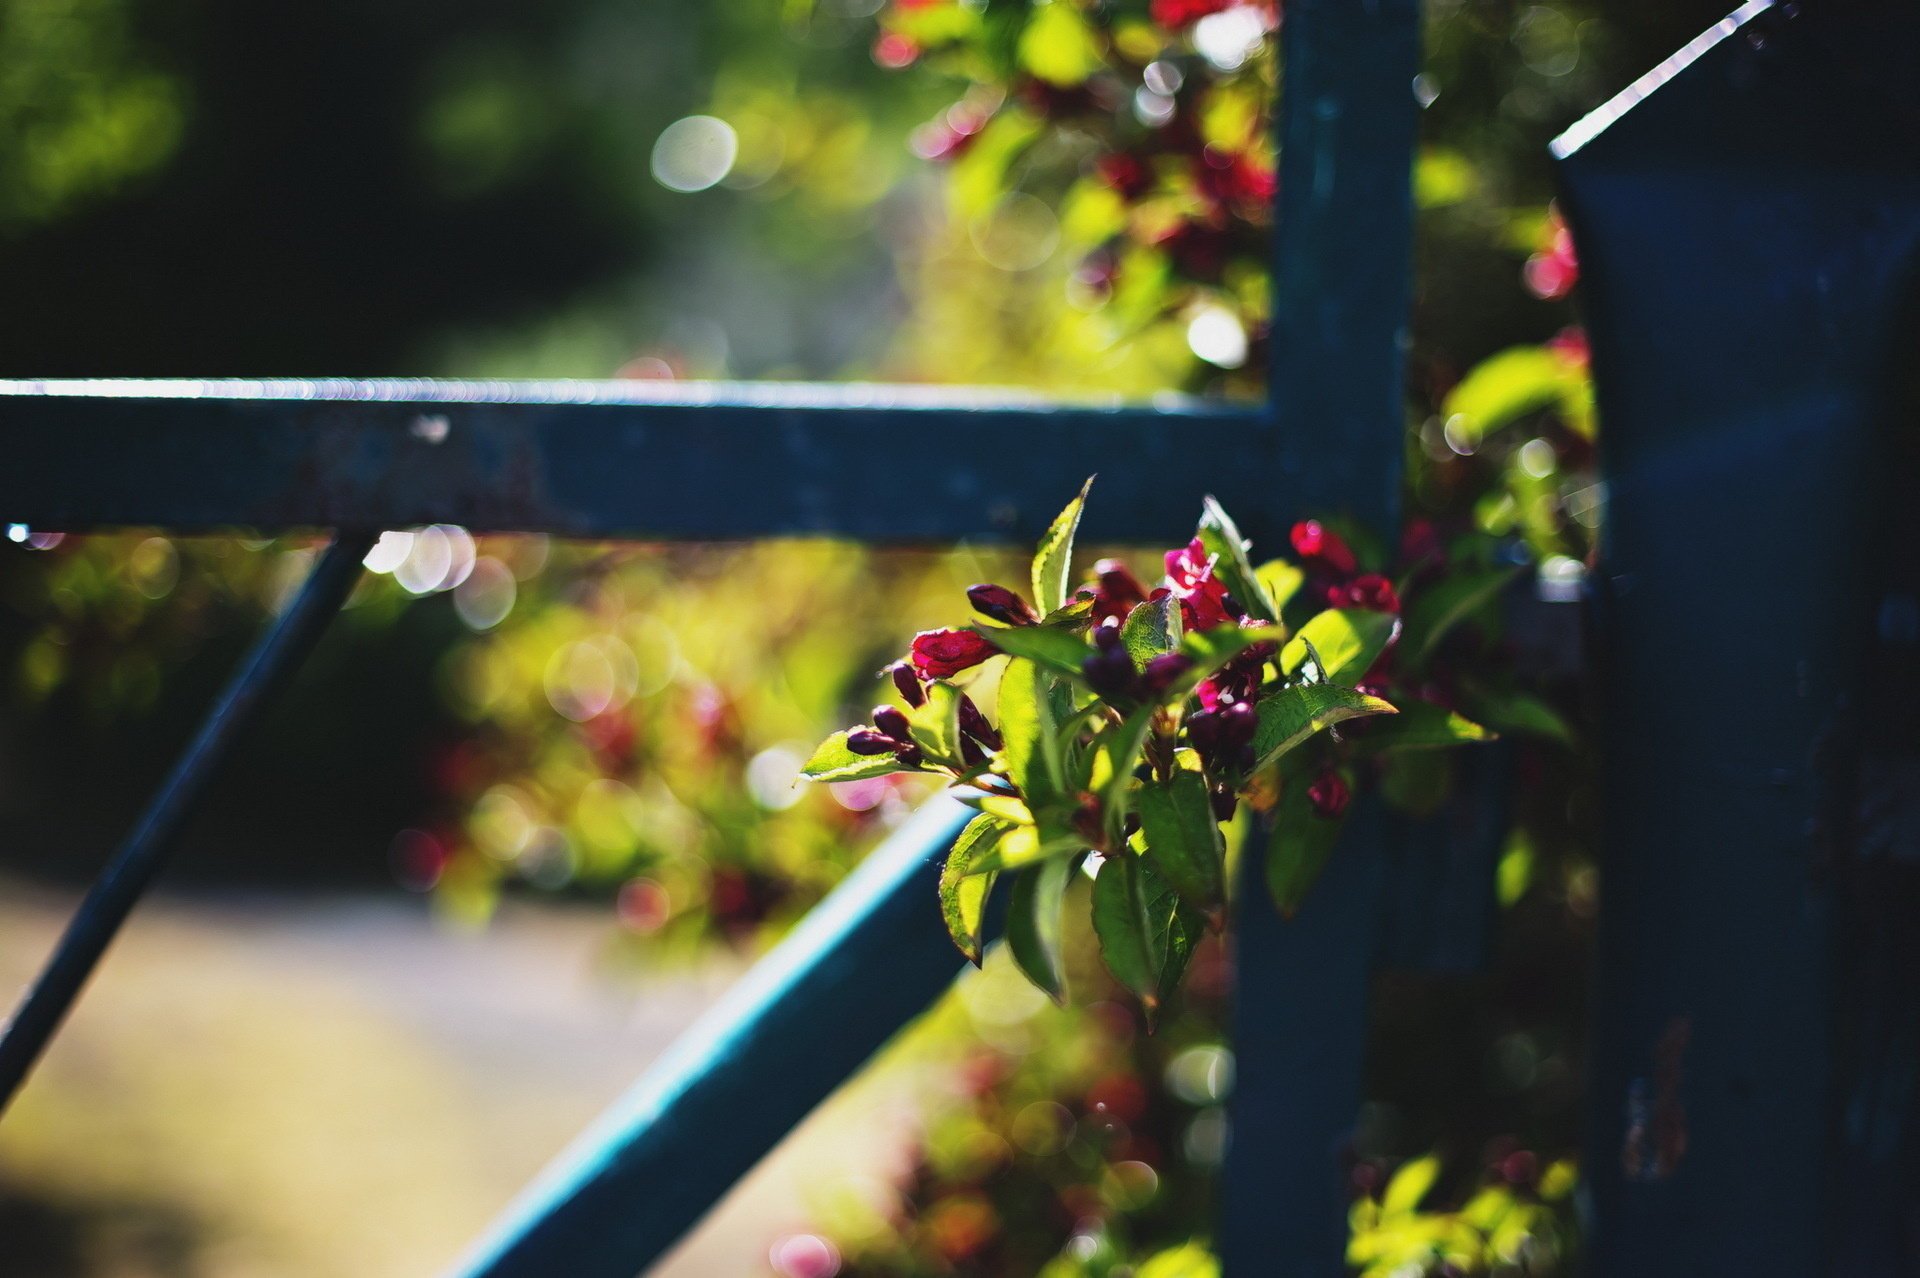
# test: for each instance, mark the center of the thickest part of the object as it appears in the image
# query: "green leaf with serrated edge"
(1032, 750)
(963, 896)
(1025, 845)
(1300, 845)
(1133, 912)
(935, 724)
(1281, 580)
(1182, 839)
(1518, 714)
(1054, 559)
(1119, 748)
(833, 761)
(1291, 715)
(1035, 927)
(1222, 539)
(1073, 615)
(1151, 629)
(1434, 612)
(1421, 725)
(1349, 641)
(1057, 649)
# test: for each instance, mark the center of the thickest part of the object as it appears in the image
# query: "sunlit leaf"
(1151, 629)
(963, 896)
(1058, 649)
(1292, 715)
(1221, 536)
(1349, 641)
(1032, 751)
(935, 725)
(1409, 1186)
(1059, 46)
(1421, 725)
(833, 761)
(1053, 560)
(1513, 383)
(1133, 916)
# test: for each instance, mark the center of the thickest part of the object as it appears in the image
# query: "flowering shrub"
(1132, 722)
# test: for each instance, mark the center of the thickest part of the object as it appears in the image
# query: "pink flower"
(1203, 600)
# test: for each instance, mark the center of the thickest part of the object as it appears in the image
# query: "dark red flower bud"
(910, 754)
(892, 721)
(1238, 721)
(1225, 802)
(907, 683)
(1162, 671)
(870, 741)
(940, 653)
(1313, 540)
(1001, 604)
(975, 724)
(1109, 672)
(970, 752)
(1371, 592)
(1203, 732)
(1116, 591)
(1106, 636)
(1329, 795)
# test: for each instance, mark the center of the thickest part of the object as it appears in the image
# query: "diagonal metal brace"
(274, 657)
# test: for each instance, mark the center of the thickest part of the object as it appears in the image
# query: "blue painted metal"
(1342, 286)
(1748, 222)
(621, 459)
(863, 963)
(274, 658)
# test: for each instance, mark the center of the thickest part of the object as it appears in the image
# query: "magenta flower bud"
(940, 653)
(892, 721)
(1001, 604)
(907, 684)
(869, 741)
(1329, 795)
(975, 724)
(1162, 671)
(1106, 636)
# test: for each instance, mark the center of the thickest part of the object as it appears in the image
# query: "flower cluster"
(1135, 721)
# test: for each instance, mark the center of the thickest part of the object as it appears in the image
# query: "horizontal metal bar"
(862, 964)
(274, 658)
(640, 460)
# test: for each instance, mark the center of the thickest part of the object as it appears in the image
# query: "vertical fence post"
(1748, 221)
(1342, 290)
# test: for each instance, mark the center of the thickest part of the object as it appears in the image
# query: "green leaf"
(1183, 840)
(1184, 934)
(1056, 648)
(1291, 715)
(1348, 640)
(1133, 912)
(963, 896)
(1190, 1261)
(1221, 536)
(1035, 928)
(1433, 613)
(1025, 845)
(1416, 782)
(834, 762)
(1422, 725)
(1117, 751)
(1053, 561)
(1520, 714)
(1509, 385)
(1032, 752)
(1299, 847)
(935, 725)
(1281, 580)
(1059, 46)
(1151, 629)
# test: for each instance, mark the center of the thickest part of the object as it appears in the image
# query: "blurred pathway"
(341, 1086)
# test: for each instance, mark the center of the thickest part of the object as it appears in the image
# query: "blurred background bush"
(592, 747)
